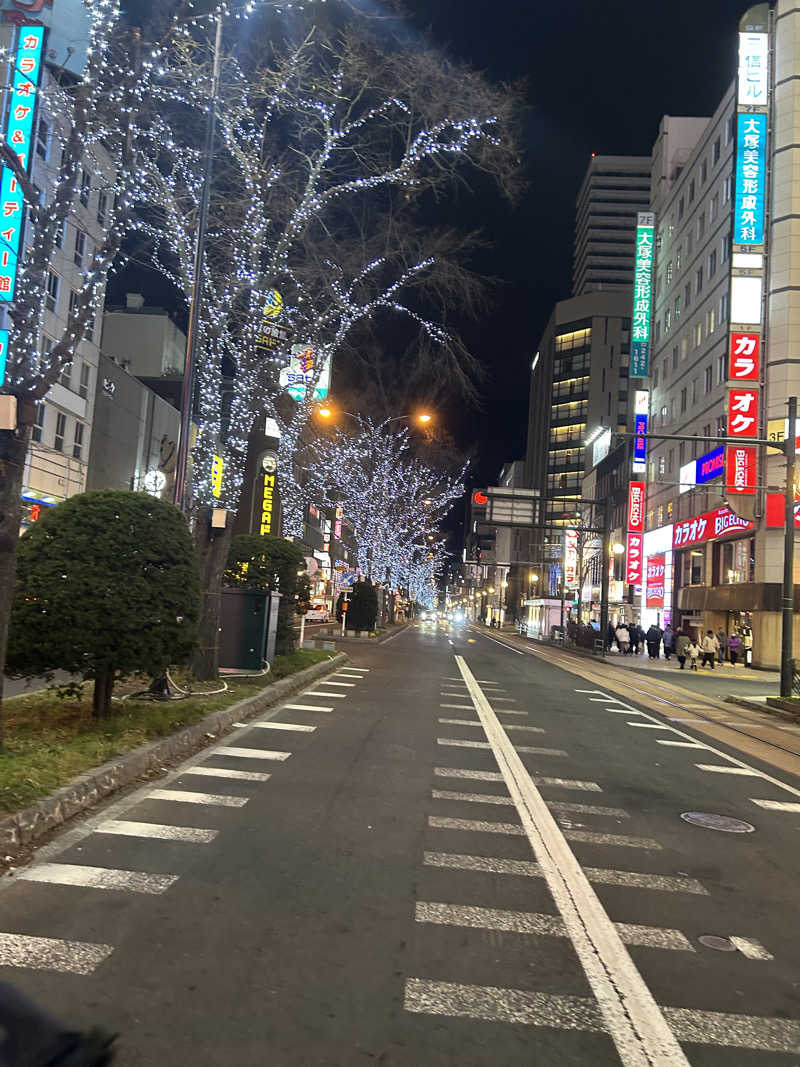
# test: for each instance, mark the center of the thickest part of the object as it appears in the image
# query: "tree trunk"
(13, 448)
(212, 547)
(101, 698)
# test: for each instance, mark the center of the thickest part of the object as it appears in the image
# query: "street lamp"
(325, 411)
(617, 549)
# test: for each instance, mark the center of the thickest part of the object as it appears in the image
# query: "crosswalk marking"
(598, 875)
(322, 693)
(98, 877)
(458, 707)
(183, 796)
(528, 922)
(502, 700)
(496, 776)
(752, 949)
(720, 769)
(438, 822)
(192, 834)
(277, 726)
(564, 1012)
(477, 722)
(228, 772)
(587, 809)
(777, 805)
(508, 711)
(304, 707)
(454, 742)
(51, 954)
(589, 837)
(476, 798)
(250, 753)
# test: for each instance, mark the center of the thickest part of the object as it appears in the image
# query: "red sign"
(776, 511)
(744, 357)
(636, 506)
(740, 469)
(654, 589)
(716, 523)
(743, 412)
(634, 558)
(480, 498)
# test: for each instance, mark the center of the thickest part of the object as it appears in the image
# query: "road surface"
(451, 852)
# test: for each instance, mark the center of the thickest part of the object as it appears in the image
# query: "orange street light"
(424, 417)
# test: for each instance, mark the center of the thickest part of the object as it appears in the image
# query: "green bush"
(269, 563)
(107, 584)
(362, 611)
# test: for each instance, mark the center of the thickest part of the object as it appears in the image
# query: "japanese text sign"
(571, 557)
(636, 506)
(751, 157)
(706, 527)
(743, 412)
(19, 133)
(745, 349)
(642, 295)
(776, 511)
(740, 469)
(654, 587)
(753, 69)
(634, 558)
(639, 442)
(709, 466)
(3, 355)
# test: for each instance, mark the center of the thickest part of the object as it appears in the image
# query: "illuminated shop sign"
(217, 467)
(740, 474)
(743, 412)
(642, 295)
(745, 353)
(710, 466)
(706, 527)
(636, 492)
(776, 511)
(753, 69)
(751, 169)
(634, 551)
(298, 377)
(654, 587)
(3, 355)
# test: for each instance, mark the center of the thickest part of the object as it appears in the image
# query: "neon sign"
(642, 295)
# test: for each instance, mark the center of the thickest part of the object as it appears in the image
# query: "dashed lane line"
(228, 772)
(182, 796)
(51, 954)
(160, 831)
(271, 725)
(98, 877)
(627, 879)
(529, 922)
(495, 776)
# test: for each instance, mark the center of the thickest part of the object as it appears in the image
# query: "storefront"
(655, 595)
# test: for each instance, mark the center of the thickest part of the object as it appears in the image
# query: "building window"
(713, 207)
(86, 187)
(61, 429)
(655, 378)
(709, 382)
(670, 511)
(86, 372)
(723, 307)
(693, 567)
(38, 423)
(681, 206)
(669, 273)
(667, 320)
(683, 400)
(698, 280)
(729, 126)
(658, 332)
(698, 335)
(65, 378)
(695, 384)
(88, 330)
(664, 419)
(665, 369)
(675, 358)
(736, 561)
(51, 300)
(73, 300)
(691, 191)
(45, 345)
(681, 453)
(715, 152)
(687, 295)
(43, 139)
(720, 369)
(80, 247)
(59, 238)
(679, 258)
(684, 347)
(689, 242)
(703, 172)
(677, 307)
(726, 247)
(727, 189)
(712, 320)
(701, 224)
(721, 427)
(712, 264)
(102, 208)
(662, 466)
(660, 515)
(77, 444)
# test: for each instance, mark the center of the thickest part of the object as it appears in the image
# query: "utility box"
(248, 621)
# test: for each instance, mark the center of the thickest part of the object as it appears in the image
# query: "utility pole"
(787, 632)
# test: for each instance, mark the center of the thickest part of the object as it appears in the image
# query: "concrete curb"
(23, 827)
(771, 709)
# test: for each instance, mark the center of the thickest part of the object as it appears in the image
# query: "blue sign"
(751, 178)
(3, 355)
(640, 443)
(710, 466)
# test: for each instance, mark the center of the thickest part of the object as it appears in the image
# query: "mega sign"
(634, 553)
(706, 527)
(751, 169)
(19, 132)
(654, 587)
(642, 295)
(636, 506)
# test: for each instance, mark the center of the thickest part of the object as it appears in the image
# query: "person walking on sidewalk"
(669, 642)
(722, 637)
(709, 647)
(654, 641)
(682, 648)
(694, 654)
(623, 638)
(635, 633)
(734, 648)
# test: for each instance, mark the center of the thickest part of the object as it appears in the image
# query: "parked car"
(317, 613)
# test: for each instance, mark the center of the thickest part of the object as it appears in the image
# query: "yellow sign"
(274, 305)
(267, 504)
(216, 476)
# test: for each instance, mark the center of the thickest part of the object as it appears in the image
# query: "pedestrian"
(654, 641)
(682, 648)
(694, 654)
(709, 647)
(669, 642)
(635, 633)
(623, 638)
(33, 1038)
(611, 637)
(722, 637)
(734, 648)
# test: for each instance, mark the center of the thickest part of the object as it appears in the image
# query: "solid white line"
(462, 707)
(321, 693)
(98, 877)
(751, 948)
(453, 742)
(227, 772)
(649, 725)
(249, 753)
(185, 797)
(717, 769)
(680, 744)
(634, 1020)
(51, 954)
(529, 922)
(303, 707)
(157, 830)
(277, 726)
(776, 805)
(626, 879)
(502, 644)
(346, 685)
(476, 798)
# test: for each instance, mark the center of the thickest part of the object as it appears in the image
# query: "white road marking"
(51, 954)
(622, 711)
(529, 922)
(589, 837)
(483, 681)
(495, 776)
(453, 742)
(249, 753)
(718, 769)
(98, 877)
(462, 707)
(228, 772)
(634, 1020)
(364, 669)
(503, 700)
(346, 685)
(587, 809)
(649, 725)
(479, 776)
(304, 707)
(439, 822)
(558, 1011)
(477, 722)
(626, 879)
(680, 744)
(599, 692)
(776, 805)
(277, 726)
(751, 948)
(476, 798)
(502, 644)
(184, 797)
(157, 830)
(322, 693)
(566, 783)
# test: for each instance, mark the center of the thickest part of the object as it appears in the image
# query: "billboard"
(642, 295)
(636, 492)
(751, 171)
(709, 466)
(753, 69)
(740, 472)
(634, 558)
(298, 376)
(654, 587)
(706, 527)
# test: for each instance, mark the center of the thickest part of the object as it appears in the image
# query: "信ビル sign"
(636, 492)
(753, 69)
(743, 365)
(740, 473)
(743, 412)
(654, 586)
(634, 558)
(717, 523)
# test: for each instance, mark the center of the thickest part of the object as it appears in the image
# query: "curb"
(770, 709)
(24, 827)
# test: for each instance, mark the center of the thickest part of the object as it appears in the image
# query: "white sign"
(601, 447)
(753, 69)
(298, 376)
(154, 482)
(688, 476)
(641, 402)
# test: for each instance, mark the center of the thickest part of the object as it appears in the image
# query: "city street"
(452, 851)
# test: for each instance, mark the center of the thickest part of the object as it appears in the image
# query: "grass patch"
(50, 741)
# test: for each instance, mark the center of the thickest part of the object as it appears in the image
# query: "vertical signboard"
(740, 470)
(570, 558)
(634, 549)
(642, 295)
(3, 355)
(18, 134)
(654, 587)
(745, 357)
(636, 506)
(753, 69)
(751, 173)
(641, 408)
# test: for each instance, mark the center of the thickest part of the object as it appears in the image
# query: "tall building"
(614, 189)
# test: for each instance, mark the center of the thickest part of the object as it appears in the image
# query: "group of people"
(710, 649)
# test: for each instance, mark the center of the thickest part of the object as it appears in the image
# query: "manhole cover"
(721, 944)
(709, 821)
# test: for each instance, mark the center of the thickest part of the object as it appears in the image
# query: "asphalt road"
(465, 856)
